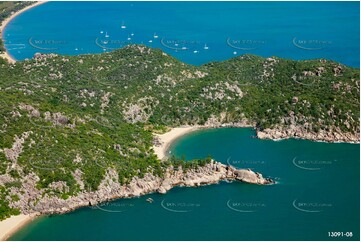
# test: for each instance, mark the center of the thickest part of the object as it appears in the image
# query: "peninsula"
(80, 130)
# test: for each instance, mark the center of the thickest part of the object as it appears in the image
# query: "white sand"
(167, 138)
(6, 21)
(13, 224)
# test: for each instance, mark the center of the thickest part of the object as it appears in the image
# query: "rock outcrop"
(32, 200)
(301, 133)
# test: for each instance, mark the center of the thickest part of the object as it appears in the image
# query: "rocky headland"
(32, 200)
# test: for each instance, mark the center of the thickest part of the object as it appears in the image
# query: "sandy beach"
(6, 21)
(13, 224)
(167, 138)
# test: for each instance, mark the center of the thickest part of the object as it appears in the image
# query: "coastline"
(163, 141)
(210, 174)
(6, 54)
(11, 225)
(166, 139)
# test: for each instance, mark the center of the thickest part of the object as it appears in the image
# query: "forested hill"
(66, 119)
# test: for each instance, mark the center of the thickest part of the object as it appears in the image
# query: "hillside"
(67, 122)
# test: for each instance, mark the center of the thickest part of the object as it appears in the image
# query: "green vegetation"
(5, 210)
(75, 117)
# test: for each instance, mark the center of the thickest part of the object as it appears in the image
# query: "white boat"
(184, 48)
(155, 36)
(132, 34)
(196, 51)
(150, 41)
(101, 32)
(129, 38)
(123, 26)
(106, 35)
(205, 47)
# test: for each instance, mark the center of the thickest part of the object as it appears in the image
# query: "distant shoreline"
(6, 55)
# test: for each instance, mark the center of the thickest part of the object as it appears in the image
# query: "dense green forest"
(67, 115)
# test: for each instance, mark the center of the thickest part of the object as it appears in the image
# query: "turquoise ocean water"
(317, 192)
(318, 183)
(195, 32)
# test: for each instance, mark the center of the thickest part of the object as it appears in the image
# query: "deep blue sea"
(194, 32)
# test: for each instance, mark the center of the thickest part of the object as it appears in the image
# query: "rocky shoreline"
(335, 135)
(31, 200)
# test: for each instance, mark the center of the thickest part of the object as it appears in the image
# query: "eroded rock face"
(302, 133)
(31, 200)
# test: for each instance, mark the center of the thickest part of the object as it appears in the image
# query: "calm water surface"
(317, 192)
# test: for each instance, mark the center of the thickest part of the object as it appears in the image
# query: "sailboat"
(205, 47)
(155, 36)
(106, 35)
(123, 26)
